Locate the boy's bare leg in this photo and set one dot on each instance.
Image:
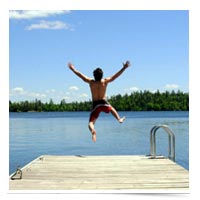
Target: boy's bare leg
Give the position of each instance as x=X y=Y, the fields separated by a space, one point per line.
x=115 y=114
x=93 y=131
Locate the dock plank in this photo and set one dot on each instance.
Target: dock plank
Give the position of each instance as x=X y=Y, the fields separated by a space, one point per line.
x=101 y=172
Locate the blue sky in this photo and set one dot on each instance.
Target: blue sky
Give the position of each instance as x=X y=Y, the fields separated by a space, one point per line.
x=42 y=43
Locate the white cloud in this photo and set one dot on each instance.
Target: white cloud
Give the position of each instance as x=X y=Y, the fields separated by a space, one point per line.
x=74 y=88
x=20 y=94
x=50 y=91
x=84 y=95
x=154 y=90
x=132 y=89
x=66 y=98
x=18 y=90
x=52 y=25
x=36 y=95
x=30 y=14
x=171 y=86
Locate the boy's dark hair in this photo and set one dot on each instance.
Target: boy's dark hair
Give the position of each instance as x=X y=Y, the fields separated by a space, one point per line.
x=98 y=74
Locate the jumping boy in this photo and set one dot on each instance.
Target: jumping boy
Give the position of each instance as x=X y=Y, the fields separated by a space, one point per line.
x=98 y=90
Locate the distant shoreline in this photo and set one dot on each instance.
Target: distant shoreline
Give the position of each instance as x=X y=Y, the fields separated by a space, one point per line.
x=136 y=101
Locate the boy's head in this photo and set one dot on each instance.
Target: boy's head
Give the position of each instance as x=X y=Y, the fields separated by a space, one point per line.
x=98 y=74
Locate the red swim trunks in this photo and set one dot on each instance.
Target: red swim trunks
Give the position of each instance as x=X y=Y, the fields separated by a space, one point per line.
x=99 y=106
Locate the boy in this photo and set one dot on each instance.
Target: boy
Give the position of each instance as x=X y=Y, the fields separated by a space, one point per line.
x=98 y=90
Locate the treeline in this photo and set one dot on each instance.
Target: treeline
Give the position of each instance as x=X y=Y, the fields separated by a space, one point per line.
x=136 y=101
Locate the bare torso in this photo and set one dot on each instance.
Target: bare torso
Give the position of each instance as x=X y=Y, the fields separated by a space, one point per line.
x=98 y=89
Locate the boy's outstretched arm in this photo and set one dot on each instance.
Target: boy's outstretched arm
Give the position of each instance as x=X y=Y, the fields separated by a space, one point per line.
x=112 y=78
x=79 y=74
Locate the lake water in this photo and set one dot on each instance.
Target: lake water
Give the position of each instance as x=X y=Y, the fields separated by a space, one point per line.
x=66 y=133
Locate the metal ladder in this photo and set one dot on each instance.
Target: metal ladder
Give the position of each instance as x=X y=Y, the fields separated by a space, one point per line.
x=171 y=144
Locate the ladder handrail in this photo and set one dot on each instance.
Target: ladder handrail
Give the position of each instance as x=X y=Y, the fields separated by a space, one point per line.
x=171 y=138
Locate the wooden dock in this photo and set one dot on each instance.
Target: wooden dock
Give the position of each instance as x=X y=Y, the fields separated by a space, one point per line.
x=101 y=173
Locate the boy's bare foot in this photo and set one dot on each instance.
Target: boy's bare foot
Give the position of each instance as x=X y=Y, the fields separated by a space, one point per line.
x=121 y=120
x=94 y=135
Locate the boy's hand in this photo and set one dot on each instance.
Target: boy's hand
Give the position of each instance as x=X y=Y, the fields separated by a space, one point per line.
x=127 y=64
x=71 y=66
